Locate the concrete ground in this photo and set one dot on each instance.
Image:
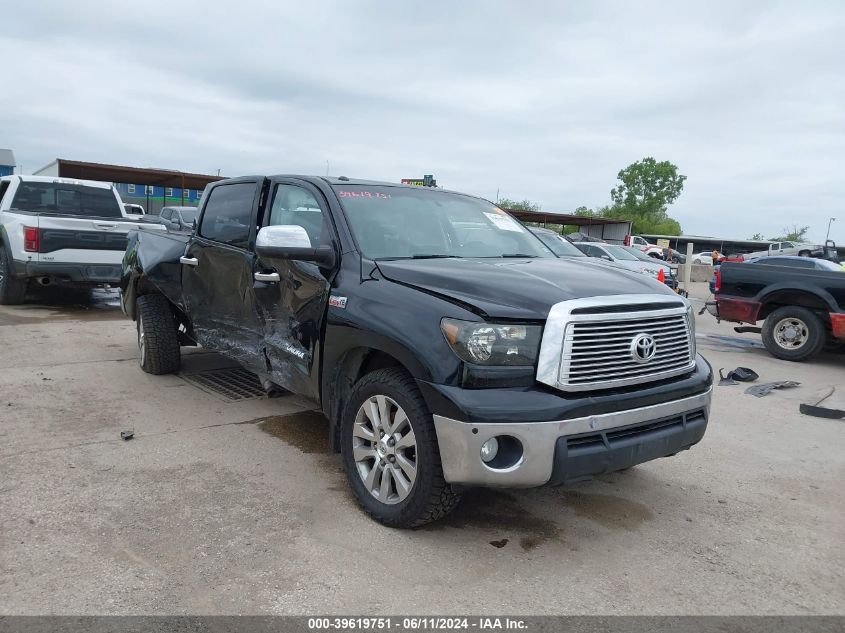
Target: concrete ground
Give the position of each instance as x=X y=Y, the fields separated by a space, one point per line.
x=219 y=507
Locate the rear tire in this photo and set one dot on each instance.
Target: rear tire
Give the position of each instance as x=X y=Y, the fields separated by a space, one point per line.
x=407 y=452
x=12 y=289
x=793 y=333
x=158 y=341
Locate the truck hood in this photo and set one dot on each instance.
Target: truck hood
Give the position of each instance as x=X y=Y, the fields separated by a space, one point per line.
x=517 y=288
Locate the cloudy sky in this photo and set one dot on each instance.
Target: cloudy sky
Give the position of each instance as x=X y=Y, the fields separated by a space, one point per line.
x=538 y=100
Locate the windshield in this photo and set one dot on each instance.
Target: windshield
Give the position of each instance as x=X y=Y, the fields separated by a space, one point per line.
x=558 y=245
x=619 y=252
x=67 y=199
x=403 y=223
x=189 y=215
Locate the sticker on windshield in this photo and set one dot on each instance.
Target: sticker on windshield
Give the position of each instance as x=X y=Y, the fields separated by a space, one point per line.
x=504 y=222
x=363 y=194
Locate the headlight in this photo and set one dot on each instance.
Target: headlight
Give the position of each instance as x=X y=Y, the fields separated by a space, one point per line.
x=492 y=343
x=691 y=322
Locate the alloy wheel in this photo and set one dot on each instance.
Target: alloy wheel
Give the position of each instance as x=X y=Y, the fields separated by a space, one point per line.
x=384 y=449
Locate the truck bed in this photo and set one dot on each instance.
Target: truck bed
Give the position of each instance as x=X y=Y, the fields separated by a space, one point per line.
x=745 y=288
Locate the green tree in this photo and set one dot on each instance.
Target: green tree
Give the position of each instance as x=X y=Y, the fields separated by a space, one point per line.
x=648 y=186
x=646 y=190
x=523 y=205
x=757 y=236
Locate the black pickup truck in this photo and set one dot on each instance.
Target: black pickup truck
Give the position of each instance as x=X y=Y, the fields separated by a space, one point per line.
x=802 y=308
x=446 y=344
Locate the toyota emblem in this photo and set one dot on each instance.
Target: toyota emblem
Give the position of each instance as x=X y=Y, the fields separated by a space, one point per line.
x=643 y=348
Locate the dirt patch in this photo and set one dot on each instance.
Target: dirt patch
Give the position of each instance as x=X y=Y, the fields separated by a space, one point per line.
x=306 y=430
x=607 y=510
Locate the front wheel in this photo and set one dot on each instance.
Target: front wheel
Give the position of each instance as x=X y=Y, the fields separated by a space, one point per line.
x=390 y=452
x=158 y=340
x=793 y=333
x=12 y=289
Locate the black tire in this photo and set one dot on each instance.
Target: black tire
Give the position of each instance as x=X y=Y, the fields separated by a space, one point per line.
x=811 y=328
x=158 y=341
x=430 y=497
x=12 y=289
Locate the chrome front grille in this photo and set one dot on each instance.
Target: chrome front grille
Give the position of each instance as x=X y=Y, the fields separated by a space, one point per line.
x=606 y=342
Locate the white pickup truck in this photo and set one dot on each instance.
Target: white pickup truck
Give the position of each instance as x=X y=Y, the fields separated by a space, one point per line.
x=652 y=250
x=59 y=231
x=788 y=248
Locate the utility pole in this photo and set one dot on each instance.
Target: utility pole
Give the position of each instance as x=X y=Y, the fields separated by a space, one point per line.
x=827 y=237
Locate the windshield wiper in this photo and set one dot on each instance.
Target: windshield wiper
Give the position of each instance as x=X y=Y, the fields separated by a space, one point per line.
x=517 y=255
x=427 y=256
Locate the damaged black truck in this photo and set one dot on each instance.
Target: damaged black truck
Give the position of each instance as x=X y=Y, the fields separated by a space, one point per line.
x=448 y=347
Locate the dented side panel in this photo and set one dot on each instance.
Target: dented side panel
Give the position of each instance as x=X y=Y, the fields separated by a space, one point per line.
x=221 y=301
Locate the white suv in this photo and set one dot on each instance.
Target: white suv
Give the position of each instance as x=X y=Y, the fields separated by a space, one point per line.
x=59 y=230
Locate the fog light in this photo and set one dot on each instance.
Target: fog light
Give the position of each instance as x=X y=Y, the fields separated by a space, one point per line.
x=489 y=450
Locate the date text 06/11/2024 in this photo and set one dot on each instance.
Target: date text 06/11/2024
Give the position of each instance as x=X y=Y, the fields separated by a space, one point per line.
x=427 y=623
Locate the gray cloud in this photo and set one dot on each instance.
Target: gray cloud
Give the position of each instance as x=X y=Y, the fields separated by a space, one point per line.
x=539 y=100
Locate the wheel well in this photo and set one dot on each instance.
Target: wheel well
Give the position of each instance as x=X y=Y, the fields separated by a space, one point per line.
x=355 y=365
x=186 y=334
x=781 y=298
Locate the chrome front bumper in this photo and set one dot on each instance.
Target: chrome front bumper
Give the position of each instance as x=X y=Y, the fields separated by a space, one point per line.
x=460 y=443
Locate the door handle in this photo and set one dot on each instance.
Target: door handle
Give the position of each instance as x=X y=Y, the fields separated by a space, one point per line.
x=267 y=277
x=106 y=226
x=189 y=261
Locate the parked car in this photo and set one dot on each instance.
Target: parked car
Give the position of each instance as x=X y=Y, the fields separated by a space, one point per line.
x=802 y=308
x=705 y=257
x=792 y=261
x=788 y=248
x=652 y=250
x=577 y=236
x=440 y=364
x=59 y=231
x=178 y=218
x=558 y=244
x=631 y=258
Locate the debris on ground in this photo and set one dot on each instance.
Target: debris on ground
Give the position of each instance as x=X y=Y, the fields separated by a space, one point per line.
x=767 y=387
x=743 y=374
x=822 y=412
x=127 y=435
x=724 y=380
x=740 y=374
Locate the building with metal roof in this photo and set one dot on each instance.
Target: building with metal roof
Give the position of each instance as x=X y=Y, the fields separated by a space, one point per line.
x=151 y=188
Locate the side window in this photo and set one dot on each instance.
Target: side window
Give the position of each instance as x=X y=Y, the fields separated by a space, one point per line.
x=3 y=187
x=592 y=251
x=227 y=216
x=296 y=205
x=165 y=214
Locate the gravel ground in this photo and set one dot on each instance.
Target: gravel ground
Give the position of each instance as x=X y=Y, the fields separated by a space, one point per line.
x=219 y=507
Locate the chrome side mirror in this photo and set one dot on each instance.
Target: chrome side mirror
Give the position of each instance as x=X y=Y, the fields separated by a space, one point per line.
x=291 y=241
